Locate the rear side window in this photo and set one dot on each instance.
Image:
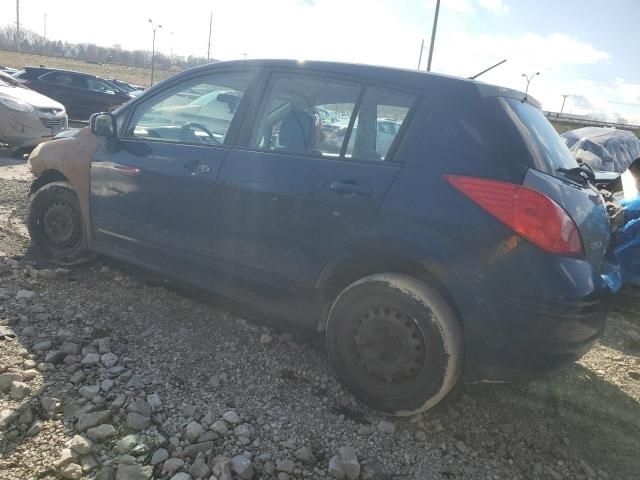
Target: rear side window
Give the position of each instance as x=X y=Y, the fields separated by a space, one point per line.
x=548 y=150
x=380 y=116
x=317 y=116
x=65 y=79
x=306 y=115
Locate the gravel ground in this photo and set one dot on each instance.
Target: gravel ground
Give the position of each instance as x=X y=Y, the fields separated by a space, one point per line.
x=115 y=373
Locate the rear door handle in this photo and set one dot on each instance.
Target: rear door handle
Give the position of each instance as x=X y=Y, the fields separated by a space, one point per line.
x=196 y=167
x=349 y=187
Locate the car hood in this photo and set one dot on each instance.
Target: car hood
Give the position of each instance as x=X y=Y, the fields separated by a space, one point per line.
x=30 y=96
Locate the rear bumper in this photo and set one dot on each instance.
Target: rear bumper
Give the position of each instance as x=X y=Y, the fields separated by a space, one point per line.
x=556 y=335
x=526 y=319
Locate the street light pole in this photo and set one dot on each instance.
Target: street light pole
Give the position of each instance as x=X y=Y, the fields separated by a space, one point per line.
x=529 y=78
x=153 y=48
x=433 y=35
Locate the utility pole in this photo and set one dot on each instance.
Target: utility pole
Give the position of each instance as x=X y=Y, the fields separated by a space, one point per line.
x=564 y=98
x=433 y=35
x=153 y=48
x=18 y=26
x=210 y=28
x=420 y=56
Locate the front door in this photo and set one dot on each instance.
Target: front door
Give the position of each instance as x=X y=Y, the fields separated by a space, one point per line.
x=154 y=190
x=308 y=183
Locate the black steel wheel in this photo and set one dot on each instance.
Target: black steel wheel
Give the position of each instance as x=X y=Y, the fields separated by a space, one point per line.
x=395 y=342
x=55 y=224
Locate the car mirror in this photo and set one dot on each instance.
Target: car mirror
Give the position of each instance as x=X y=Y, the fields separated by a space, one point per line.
x=103 y=124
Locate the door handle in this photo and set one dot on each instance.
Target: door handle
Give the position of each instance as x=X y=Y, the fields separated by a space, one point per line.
x=196 y=167
x=349 y=187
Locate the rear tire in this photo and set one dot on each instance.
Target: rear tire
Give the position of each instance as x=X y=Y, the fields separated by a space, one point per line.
x=55 y=225
x=395 y=343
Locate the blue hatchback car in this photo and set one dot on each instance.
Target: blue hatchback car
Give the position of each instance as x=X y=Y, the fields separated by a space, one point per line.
x=433 y=227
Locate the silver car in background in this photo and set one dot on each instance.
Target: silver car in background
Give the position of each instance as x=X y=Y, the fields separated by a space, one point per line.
x=28 y=118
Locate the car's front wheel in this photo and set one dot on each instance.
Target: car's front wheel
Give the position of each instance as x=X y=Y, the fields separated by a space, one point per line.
x=395 y=343
x=55 y=225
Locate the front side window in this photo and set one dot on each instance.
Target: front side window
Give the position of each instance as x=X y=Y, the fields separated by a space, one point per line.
x=305 y=115
x=97 y=85
x=199 y=112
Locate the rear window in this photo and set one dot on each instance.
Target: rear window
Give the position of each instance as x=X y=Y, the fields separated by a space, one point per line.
x=547 y=149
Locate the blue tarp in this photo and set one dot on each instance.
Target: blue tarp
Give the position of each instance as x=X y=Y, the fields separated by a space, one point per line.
x=627 y=243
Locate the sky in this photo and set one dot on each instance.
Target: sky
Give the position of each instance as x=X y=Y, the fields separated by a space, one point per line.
x=584 y=48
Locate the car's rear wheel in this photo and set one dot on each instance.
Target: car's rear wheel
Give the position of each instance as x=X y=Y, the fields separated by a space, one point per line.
x=55 y=225
x=395 y=343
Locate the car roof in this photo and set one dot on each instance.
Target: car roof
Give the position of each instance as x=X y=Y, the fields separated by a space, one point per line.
x=405 y=76
x=61 y=70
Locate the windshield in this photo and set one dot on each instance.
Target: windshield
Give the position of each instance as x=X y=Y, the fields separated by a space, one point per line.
x=548 y=150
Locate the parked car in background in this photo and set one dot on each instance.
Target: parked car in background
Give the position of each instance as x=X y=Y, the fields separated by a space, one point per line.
x=27 y=117
x=133 y=90
x=8 y=70
x=82 y=94
x=467 y=245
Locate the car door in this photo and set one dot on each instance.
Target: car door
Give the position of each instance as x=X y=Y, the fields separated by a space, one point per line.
x=302 y=190
x=153 y=189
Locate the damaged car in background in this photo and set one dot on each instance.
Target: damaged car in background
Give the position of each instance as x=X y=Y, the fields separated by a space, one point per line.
x=469 y=244
x=27 y=117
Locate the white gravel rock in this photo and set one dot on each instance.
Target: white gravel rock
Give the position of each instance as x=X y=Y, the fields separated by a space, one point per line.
x=220 y=427
x=159 y=456
x=242 y=466
x=101 y=432
x=193 y=431
x=231 y=417
x=93 y=419
x=73 y=471
x=27 y=295
x=19 y=390
x=89 y=391
x=126 y=444
x=90 y=359
x=386 y=426
x=181 y=476
x=81 y=445
x=172 y=465
x=109 y=359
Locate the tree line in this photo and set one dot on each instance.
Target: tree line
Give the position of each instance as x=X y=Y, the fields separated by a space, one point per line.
x=32 y=42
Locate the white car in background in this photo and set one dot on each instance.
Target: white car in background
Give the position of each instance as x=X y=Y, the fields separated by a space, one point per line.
x=28 y=117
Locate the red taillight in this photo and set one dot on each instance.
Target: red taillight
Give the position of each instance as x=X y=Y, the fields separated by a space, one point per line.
x=530 y=214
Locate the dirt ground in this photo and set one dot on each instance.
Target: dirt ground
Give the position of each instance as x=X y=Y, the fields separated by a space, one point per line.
x=204 y=389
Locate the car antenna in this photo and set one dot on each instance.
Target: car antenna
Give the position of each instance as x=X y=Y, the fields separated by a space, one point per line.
x=487 y=69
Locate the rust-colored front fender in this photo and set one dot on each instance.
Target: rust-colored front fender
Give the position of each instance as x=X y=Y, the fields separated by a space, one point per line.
x=70 y=157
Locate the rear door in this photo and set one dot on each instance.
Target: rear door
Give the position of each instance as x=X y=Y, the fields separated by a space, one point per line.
x=69 y=89
x=307 y=181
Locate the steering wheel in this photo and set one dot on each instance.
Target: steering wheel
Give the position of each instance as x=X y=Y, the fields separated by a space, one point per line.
x=187 y=133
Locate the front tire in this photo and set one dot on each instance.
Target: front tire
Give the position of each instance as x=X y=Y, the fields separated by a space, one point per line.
x=395 y=343
x=55 y=225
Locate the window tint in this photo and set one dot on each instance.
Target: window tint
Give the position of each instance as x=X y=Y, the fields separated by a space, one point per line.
x=66 y=79
x=97 y=85
x=380 y=117
x=305 y=115
x=545 y=145
x=199 y=112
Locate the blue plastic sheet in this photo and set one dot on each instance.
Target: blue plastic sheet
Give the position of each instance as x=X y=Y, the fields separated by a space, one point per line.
x=627 y=241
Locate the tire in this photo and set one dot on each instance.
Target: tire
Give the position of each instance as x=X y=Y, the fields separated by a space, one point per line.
x=55 y=225
x=395 y=343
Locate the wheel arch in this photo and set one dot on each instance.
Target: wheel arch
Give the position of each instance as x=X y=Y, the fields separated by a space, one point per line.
x=353 y=266
x=47 y=176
